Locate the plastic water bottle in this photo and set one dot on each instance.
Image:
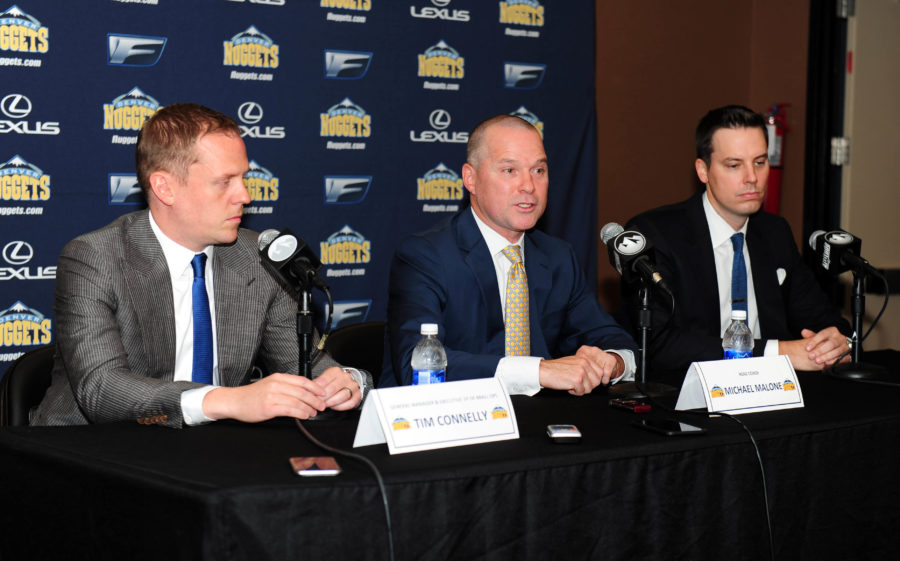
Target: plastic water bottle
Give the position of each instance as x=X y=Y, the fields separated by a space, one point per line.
x=429 y=361
x=738 y=339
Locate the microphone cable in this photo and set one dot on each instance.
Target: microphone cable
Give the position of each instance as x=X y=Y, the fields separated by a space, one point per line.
x=371 y=466
x=762 y=469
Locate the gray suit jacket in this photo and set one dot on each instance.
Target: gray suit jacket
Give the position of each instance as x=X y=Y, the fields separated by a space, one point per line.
x=115 y=326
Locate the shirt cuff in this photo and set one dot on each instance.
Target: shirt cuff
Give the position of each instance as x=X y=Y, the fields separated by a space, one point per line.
x=192 y=406
x=360 y=380
x=520 y=375
x=630 y=366
x=771 y=348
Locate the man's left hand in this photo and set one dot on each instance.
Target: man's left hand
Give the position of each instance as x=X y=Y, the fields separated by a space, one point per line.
x=341 y=390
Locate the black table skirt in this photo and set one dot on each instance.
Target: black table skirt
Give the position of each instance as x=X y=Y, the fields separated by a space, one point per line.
x=225 y=490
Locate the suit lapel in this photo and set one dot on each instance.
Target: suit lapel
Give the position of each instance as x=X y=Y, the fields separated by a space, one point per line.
x=233 y=273
x=537 y=267
x=765 y=283
x=700 y=252
x=150 y=290
x=481 y=264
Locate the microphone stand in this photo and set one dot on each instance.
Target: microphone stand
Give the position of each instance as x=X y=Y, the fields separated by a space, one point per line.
x=857 y=370
x=635 y=390
x=305 y=337
x=305 y=330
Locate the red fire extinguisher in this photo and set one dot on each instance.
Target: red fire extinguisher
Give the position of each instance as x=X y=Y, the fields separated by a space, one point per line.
x=776 y=124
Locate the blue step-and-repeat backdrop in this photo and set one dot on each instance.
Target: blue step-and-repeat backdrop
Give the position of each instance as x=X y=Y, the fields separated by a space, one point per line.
x=355 y=114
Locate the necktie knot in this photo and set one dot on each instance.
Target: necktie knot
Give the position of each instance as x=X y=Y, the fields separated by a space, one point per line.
x=514 y=254
x=737 y=242
x=198 y=264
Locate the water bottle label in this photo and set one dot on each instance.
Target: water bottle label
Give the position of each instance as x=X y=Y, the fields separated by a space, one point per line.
x=427 y=377
x=729 y=354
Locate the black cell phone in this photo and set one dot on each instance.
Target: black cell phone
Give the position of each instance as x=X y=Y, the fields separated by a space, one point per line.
x=669 y=427
x=633 y=405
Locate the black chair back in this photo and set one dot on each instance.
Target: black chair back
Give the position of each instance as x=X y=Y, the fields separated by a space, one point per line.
x=360 y=345
x=24 y=384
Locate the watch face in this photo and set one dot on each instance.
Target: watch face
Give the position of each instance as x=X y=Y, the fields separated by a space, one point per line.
x=282 y=248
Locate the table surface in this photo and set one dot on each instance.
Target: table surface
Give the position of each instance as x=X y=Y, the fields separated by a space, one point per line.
x=625 y=488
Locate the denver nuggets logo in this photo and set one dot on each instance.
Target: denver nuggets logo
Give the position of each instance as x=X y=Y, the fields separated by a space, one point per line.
x=440 y=184
x=346 y=119
x=345 y=246
x=527 y=115
x=21 y=325
x=441 y=61
x=251 y=48
x=716 y=391
x=499 y=413
x=359 y=5
x=522 y=12
x=788 y=385
x=262 y=185
x=129 y=111
x=22 y=33
x=21 y=181
x=400 y=424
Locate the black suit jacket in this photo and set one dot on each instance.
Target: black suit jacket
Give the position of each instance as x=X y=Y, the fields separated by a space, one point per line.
x=684 y=257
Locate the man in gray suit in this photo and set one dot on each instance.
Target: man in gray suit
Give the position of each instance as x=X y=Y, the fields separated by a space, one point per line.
x=125 y=323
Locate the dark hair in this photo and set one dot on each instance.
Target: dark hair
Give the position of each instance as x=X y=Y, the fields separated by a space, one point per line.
x=166 y=141
x=728 y=117
x=476 y=138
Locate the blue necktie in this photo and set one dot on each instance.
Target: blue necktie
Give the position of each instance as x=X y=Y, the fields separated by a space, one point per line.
x=738 y=274
x=203 y=351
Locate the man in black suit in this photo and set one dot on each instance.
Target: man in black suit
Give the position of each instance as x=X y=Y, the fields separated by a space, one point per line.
x=786 y=310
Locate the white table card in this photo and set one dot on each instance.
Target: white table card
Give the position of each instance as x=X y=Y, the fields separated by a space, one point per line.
x=745 y=385
x=414 y=418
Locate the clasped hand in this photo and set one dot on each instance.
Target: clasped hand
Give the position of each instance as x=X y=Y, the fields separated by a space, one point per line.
x=579 y=374
x=284 y=395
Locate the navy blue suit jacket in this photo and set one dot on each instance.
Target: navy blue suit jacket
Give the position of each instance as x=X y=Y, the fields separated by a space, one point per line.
x=446 y=276
x=684 y=257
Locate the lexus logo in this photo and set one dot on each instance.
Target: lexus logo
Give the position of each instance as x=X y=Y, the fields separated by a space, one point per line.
x=439 y=119
x=15 y=106
x=17 y=253
x=440 y=3
x=250 y=112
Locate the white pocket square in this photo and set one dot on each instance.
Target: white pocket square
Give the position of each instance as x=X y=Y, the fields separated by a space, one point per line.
x=781 y=274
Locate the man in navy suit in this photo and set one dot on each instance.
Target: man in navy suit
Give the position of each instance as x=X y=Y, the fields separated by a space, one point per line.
x=787 y=311
x=456 y=275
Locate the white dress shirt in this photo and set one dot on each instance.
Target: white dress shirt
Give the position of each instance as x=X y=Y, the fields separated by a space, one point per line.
x=178 y=259
x=720 y=232
x=521 y=374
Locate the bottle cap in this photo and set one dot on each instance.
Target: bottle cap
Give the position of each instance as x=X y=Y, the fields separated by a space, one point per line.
x=429 y=329
x=739 y=314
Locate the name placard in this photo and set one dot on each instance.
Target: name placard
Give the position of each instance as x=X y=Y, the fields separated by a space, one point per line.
x=414 y=418
x=745 y=385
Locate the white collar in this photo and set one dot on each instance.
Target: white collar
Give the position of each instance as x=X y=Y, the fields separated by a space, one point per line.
x=719 y=230
x=178 y=257
x=495 y=242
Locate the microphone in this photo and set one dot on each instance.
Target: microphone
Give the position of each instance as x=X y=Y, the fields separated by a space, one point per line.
x=838 y=251
x=631 y=254
x=291 y=258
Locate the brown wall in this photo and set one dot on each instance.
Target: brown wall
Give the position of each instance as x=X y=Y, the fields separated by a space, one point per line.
x=660 y=66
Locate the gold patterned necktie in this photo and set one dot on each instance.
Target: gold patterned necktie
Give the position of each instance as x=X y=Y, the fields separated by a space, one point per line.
x=518 y=336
